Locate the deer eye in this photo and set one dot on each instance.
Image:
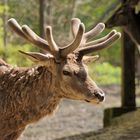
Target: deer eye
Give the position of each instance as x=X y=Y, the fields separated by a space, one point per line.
x=67 y=73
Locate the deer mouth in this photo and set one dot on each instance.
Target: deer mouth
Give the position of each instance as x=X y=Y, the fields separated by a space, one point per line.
x=87 y=101
x=98 y=97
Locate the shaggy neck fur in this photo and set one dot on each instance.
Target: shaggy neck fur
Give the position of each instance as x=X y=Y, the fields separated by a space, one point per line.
x=24 y=98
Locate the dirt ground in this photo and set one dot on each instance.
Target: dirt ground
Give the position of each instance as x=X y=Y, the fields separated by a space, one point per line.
x=73 y=118
x=125 y=127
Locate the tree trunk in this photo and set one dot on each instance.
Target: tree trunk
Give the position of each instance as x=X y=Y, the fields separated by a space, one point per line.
x=49 y=10
x=42 y=16
x=74 y=8
x=73 y=15
x=128 y=72
x=5 y=23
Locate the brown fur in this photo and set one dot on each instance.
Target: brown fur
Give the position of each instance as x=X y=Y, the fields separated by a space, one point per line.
x=23 y=98
x=28 y=94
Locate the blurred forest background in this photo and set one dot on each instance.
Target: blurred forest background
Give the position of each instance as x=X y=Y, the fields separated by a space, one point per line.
x=58 y=13
x=106 y=71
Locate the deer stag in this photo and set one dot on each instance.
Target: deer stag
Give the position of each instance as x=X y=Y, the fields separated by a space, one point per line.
x=28 y=94
x=129 y=20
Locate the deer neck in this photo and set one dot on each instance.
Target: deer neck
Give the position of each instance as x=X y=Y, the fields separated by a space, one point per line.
x=45 y=98
x=45 y=91
x=34 y=91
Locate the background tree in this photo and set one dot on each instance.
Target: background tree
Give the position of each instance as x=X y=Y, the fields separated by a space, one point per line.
x=42 y=17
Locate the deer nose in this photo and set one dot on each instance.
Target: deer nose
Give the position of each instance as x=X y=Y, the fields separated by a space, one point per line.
x=100 y=95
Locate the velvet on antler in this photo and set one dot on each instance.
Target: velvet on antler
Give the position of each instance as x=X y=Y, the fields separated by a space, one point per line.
x=92 y=46
x=79 y=43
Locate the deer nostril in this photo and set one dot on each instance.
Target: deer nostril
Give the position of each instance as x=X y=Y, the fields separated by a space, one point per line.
x=100 y=96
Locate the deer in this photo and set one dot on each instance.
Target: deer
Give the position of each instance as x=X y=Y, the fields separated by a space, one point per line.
x=127 y=18
x=31 y=93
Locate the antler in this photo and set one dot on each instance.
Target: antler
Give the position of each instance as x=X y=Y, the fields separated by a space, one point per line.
x=92 y=46
x=49 y=45
x=26 y=33
x=75 y=44
x=80 y=39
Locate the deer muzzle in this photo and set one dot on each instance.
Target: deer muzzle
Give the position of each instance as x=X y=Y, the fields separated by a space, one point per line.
x=100 y=95
x=96 y=97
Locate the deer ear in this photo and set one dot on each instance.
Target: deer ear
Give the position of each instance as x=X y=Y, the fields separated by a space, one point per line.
x=89 y=59
x=38 y=57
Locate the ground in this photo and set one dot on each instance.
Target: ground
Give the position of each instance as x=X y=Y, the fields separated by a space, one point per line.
x=125 y=127
x=73 y=118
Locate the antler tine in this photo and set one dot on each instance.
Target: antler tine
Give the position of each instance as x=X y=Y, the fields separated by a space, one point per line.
x=75 y=44
x=53 y=46
x=80 y=38
x=26 y=33
x=37 y=57
x=108 y=42
x=95 y=31
x=75 y=22
x=100 y=40
x=35 y=39
x=16 y=28
x=92 y=33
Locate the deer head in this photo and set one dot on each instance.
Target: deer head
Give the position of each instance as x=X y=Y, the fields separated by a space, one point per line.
x=67 y=64
x=127 y=18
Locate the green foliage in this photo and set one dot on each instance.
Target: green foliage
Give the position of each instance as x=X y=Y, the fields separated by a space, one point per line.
x=90 y=11
x=112 y=54
x=105 y=73
x=1 y=30
x=25 y=12
x=1 y=8
x=138 y=90
x=11 y=55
